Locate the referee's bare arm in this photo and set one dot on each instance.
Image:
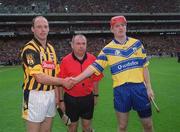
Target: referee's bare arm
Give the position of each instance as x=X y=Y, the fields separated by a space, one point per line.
x=49 y=80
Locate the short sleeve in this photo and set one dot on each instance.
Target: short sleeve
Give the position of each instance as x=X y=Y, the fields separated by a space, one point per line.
x=100 y=63
x=31 y=59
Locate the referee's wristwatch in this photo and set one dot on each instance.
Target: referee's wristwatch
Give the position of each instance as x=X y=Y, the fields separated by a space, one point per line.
x=61 y=100
x=96 y=95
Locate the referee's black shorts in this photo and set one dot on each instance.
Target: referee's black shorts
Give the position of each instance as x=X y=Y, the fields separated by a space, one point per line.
x=79 y=107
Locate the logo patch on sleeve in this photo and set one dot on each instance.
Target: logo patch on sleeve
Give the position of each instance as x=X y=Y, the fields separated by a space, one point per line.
x=30 y=59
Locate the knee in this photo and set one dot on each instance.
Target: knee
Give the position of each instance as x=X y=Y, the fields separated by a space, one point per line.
x=87 y=129
x=148 y=126
x=122 y=127
x=72 y=128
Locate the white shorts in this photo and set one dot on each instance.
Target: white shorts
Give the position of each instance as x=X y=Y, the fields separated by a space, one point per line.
x=40 y=104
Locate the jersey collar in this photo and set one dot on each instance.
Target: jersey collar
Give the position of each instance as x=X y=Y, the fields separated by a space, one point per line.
x=37 y=42
x=80 y=61
x=117 y=42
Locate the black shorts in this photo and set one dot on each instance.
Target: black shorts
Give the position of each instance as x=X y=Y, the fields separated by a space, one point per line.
x=79 y=107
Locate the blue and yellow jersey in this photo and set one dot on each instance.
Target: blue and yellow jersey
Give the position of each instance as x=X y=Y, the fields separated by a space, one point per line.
x=126 y=61
x=36 y=59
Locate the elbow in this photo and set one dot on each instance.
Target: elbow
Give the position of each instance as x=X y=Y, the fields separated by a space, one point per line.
x=145 y=81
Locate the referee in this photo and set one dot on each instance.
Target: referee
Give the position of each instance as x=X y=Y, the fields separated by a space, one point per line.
x=40 y=68
x=78 y=102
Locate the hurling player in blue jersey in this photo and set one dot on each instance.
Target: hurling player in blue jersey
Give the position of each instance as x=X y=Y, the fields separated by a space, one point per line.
x=128 y=63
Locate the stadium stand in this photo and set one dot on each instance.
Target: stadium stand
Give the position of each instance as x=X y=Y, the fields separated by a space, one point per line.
x=89 y=6
x=156 y=24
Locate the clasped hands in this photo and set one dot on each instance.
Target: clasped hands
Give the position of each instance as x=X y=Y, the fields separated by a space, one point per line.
x=69 y=82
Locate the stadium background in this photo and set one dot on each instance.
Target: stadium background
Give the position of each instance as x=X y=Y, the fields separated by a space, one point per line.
x=155 y=22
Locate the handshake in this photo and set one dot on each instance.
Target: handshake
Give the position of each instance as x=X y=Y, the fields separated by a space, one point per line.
x=69 y=82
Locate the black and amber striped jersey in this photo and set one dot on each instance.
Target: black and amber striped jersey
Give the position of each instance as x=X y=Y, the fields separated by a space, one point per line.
x=35 y=60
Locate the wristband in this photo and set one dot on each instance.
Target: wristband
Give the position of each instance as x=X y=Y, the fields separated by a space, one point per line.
x=61 y=100
x=96 y=95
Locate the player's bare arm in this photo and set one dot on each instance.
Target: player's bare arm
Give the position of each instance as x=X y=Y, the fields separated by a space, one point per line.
x=148 y=83
x=49 y=80
x=86 y=73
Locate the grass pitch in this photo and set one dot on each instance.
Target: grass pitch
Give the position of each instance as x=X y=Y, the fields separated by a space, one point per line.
x=165 y=78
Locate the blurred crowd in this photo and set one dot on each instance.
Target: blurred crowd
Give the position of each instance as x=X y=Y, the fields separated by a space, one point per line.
x=89 y=6
x=9 y=51
x=155 y=45
x=65 y=28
